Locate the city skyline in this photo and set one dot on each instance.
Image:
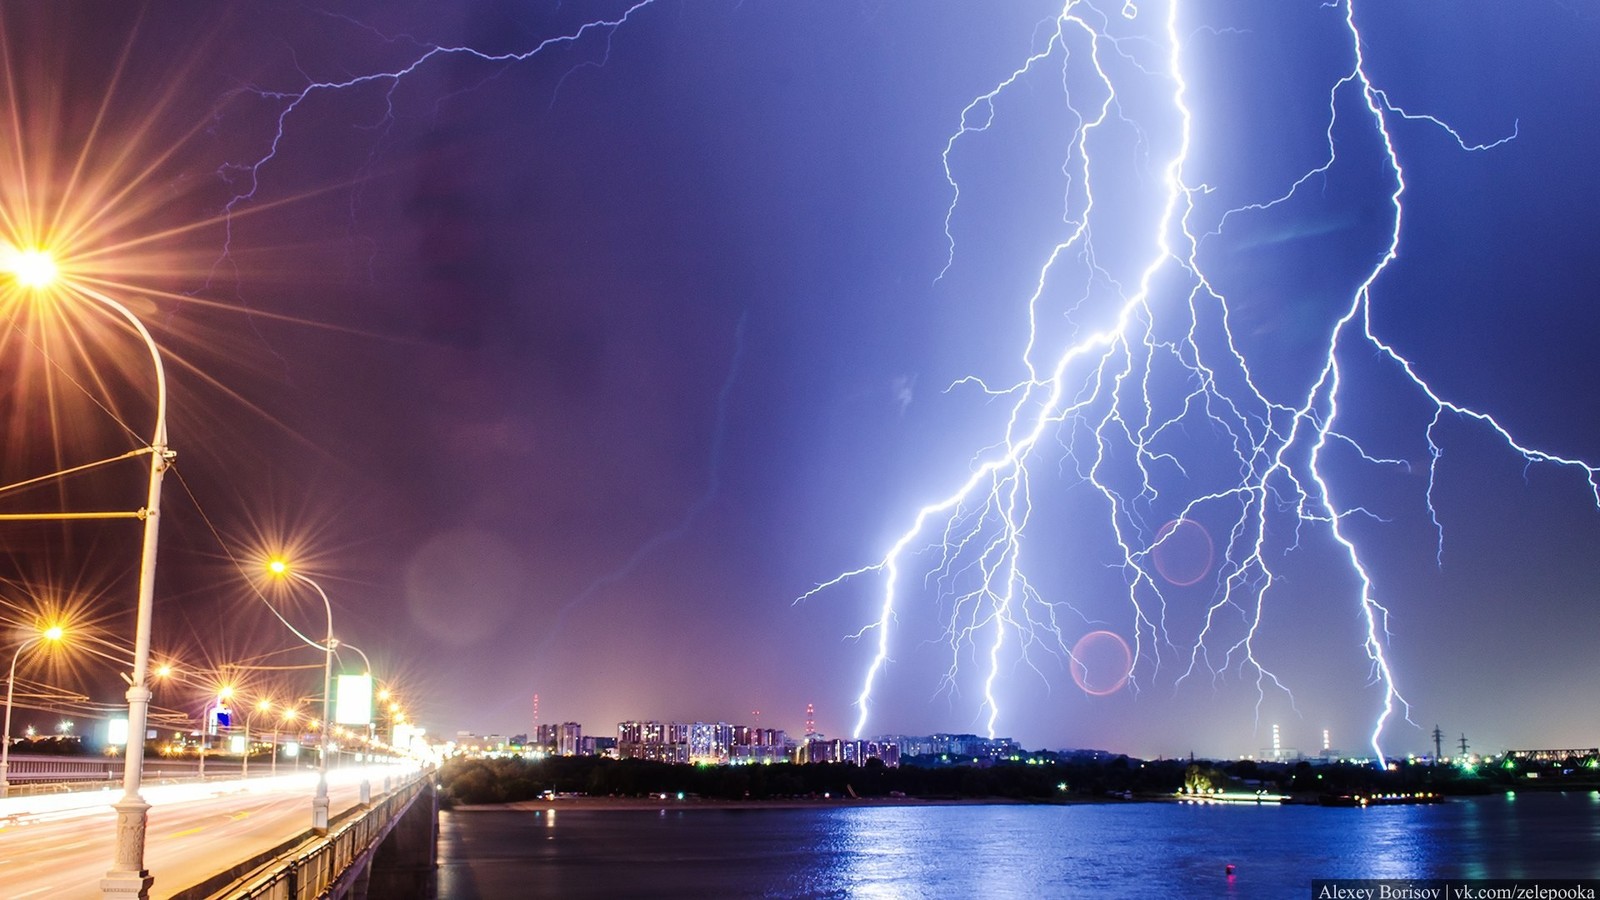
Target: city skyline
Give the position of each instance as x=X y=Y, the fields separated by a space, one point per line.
x=572 y=348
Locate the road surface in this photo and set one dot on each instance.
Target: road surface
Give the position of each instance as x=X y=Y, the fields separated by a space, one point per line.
x=61 y=845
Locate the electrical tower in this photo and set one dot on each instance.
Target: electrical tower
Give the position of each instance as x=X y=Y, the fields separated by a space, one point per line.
x=1438 y=750
x=1463 y=745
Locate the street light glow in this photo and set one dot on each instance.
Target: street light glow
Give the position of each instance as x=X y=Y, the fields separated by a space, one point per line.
x=54 y=633
x=32 y=268
x=277 y=567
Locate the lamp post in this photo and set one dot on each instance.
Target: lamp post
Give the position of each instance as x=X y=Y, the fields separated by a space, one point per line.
x=206 y=721
x=53 y=633
x=36 y=270
x=128 y=875
x=289 y=715
x=366 y=785
x=319 y=802
x=263 y=706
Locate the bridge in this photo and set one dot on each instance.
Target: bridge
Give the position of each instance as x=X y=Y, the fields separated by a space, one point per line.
x=224 y=836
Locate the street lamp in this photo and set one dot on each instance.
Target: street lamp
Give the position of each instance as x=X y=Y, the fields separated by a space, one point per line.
x=319 y=802
x=263 y=706
x=366 y=786
x=289 y=715
x=35 y=269
x=223 y=694
x=53 y=634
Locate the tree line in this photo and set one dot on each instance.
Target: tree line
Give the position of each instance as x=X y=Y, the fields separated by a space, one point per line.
x=474 y=780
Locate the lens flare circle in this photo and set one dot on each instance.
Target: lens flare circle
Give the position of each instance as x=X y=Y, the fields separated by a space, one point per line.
x=1183 y=552
x=1098 y=652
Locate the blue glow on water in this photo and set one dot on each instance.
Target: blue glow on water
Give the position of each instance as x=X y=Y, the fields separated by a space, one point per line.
x=1110 y=850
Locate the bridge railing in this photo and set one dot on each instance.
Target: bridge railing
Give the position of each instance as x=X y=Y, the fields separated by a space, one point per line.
x=33 y=785
x=309 y=873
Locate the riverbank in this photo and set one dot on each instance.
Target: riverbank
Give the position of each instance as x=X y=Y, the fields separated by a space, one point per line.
x=670 y=802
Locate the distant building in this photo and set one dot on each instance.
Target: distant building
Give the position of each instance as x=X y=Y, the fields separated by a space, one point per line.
x=819 y=749
x=969 y=746
x=710 y=742
x=816 y=748
x=1554 y=756
x=653 y=741
x=546 y=738
x=886 y=752
x=569 y=739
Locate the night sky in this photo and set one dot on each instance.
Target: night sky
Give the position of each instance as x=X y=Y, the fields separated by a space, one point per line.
x=568 y=375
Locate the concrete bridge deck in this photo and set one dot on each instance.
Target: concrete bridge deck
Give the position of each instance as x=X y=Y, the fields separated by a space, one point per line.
x=61 y=844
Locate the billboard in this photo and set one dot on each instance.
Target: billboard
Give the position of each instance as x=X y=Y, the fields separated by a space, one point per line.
x=117 y=732
x=354 y=704
x=218 y=717
x=403 y=735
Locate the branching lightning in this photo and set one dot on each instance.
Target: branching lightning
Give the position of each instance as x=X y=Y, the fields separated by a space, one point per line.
x=1122 y=364
x=248 y=174
x=1149 y=361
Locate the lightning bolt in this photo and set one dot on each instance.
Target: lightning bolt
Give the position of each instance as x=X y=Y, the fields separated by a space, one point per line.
x=1146 y=361
x=248 y=174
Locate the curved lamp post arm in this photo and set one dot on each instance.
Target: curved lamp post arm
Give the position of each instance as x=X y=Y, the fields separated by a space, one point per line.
x=5 y=749
x=364 y=660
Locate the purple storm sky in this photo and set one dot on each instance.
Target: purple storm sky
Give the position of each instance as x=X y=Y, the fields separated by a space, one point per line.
x=570 y=374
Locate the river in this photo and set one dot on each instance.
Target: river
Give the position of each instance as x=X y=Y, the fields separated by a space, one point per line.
x=1111 y=850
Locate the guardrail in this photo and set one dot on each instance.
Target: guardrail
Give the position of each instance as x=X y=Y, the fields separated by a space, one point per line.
x=309 y=872
x=63 y=768
x=86 y=785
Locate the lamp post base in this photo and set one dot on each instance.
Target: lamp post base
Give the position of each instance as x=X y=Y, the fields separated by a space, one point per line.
x=129 y=885
x=319 y=815
x=125 y=881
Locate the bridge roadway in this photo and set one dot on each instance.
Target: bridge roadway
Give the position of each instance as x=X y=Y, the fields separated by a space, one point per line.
x=60 y=845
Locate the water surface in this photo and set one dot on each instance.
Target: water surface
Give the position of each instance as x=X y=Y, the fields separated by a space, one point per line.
x=1134 y=850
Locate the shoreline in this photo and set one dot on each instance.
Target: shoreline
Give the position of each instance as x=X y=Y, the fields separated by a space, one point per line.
x=639 y=804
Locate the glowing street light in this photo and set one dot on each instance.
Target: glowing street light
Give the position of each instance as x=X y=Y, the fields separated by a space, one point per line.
x=319 y=802
x=52 y=634
x=33 y=268
x=289 y=715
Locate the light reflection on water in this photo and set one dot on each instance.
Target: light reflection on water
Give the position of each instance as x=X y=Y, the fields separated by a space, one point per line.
x=1109 y=850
